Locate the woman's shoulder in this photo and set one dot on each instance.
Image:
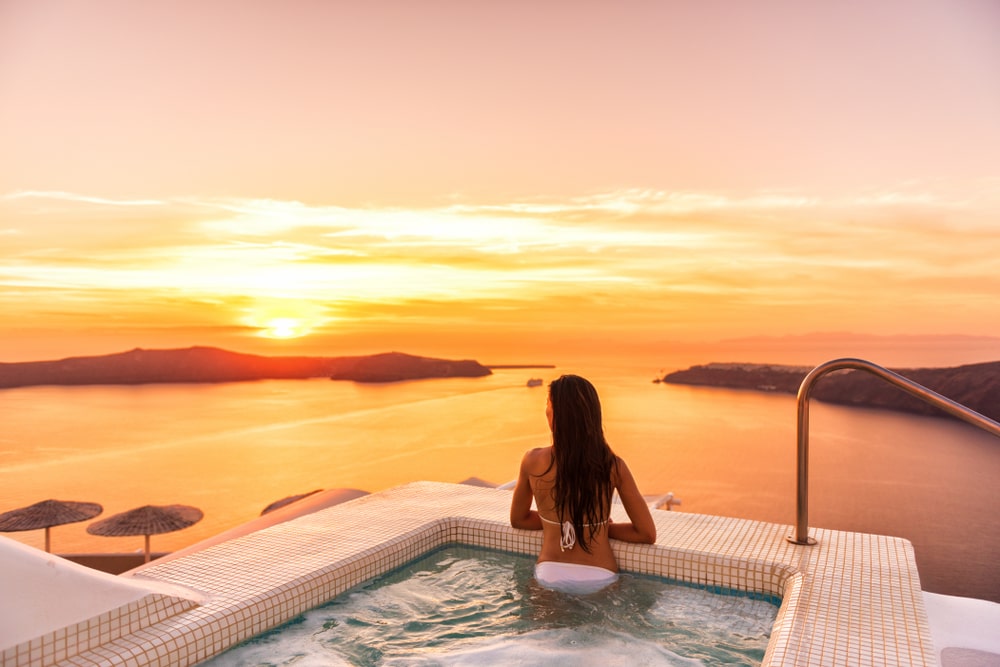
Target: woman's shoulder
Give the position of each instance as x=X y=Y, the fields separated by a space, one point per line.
x=617 y=469
x=537 y=460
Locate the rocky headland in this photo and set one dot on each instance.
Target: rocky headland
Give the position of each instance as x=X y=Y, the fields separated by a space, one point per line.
x=209 y=364
x=976 y=385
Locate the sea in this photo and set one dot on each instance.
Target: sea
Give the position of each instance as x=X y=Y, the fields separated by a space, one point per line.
x=231 y=449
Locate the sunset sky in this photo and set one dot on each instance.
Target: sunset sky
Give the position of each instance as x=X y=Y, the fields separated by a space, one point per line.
x=506 y=181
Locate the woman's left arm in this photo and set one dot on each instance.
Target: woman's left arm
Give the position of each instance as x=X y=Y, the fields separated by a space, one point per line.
x=641 y=528
x=521 y=514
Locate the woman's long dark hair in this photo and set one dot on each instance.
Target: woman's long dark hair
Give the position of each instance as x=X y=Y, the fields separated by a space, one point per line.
x=584 y=460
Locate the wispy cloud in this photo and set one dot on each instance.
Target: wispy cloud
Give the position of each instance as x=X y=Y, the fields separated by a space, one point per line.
x=647 y=258
x=83 y=199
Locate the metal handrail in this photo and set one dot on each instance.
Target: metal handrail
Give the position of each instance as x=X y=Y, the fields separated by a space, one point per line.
x=801 y=535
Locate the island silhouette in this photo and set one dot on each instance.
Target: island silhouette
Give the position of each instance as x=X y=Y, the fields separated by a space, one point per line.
x=210 y=364
x=975 y=385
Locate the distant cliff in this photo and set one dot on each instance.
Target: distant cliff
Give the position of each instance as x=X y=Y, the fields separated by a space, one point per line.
x=395 y=366
x=208 y=364
x=976 y=386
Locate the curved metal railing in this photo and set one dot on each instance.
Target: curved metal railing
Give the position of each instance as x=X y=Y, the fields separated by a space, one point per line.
x=801 y=535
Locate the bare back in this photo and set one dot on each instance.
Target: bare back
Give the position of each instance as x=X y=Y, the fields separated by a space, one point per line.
x=535 y=480
x=541 y=476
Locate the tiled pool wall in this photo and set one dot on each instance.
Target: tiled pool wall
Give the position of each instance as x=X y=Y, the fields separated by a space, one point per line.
x=92 y=633
x=852 y=599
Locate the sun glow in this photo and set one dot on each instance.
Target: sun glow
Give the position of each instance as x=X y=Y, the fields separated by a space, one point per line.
x=283 y=327
x=282 y=319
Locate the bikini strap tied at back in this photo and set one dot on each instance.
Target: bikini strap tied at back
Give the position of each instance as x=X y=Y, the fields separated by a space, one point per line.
x=568 y=539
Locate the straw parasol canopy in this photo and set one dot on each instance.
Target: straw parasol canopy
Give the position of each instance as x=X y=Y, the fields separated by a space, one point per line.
x=147 y=520
x=46 y=514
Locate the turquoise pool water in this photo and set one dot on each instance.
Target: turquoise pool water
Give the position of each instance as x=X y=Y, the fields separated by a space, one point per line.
x=463 y=605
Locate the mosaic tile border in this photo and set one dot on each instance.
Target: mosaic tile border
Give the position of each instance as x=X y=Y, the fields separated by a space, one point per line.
x=63 y=643
x=853 y=599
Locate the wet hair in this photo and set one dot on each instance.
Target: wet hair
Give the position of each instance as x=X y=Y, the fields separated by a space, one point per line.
x=583 y=459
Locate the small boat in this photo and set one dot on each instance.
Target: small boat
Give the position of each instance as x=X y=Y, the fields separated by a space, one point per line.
x=535 y=382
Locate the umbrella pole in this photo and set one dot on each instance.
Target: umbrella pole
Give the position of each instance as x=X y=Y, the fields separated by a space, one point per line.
x=48 y=542
x=147 y=548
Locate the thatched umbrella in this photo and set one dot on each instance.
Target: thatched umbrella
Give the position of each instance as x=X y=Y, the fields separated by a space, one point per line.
x=46 y=514
x=147 y=520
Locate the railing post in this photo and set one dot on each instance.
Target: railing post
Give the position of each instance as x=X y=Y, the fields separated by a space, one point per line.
x=801 y=535
x=958 y=410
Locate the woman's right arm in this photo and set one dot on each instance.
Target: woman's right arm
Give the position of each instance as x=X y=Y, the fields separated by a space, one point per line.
x=641 y=528
x=521 y=514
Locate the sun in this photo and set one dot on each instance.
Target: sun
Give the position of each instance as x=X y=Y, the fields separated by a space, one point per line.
x=284 y=327
x=283 y=319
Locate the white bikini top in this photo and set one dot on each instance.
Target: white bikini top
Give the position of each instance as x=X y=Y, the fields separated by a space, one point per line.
x=568 y=539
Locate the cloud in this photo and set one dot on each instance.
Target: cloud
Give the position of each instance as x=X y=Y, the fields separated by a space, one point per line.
x=78 y=198
x=637 y=258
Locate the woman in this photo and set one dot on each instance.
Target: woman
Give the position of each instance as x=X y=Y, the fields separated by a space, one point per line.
x=571 y=483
